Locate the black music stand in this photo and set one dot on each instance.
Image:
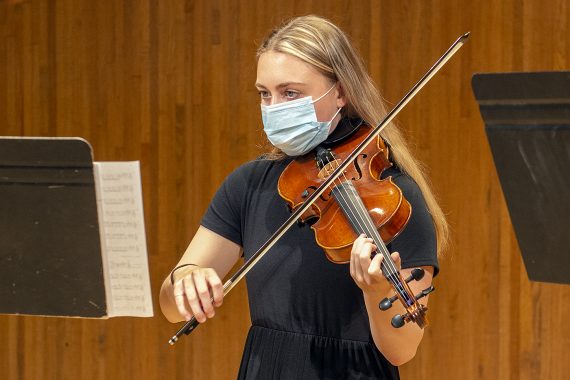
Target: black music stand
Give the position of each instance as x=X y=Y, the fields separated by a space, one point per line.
x=527 y=120
x=50 y=249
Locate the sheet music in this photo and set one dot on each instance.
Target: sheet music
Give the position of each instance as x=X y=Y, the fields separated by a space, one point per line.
x=123 y=239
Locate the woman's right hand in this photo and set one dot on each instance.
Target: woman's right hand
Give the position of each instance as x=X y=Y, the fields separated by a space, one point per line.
x=194 y=290
x=190 y=289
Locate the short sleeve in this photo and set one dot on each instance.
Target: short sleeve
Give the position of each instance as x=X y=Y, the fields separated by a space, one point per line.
x=417 y=243
x=224 y=214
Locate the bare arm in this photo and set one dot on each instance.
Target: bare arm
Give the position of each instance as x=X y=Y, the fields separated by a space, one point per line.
x=214 y=256
x=397 y=345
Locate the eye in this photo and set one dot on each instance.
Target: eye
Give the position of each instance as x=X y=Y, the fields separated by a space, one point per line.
x=290 y=94
x=264 y=94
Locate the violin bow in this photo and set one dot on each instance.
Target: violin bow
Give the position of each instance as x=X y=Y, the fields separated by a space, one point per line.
x=190 y=325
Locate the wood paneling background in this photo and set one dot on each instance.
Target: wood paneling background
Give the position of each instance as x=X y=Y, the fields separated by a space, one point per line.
x=170 y=83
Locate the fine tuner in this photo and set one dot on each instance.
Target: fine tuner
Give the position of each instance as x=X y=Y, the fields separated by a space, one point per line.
x=400 y=320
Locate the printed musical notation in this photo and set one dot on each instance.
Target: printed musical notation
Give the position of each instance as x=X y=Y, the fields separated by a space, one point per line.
x=123 y=241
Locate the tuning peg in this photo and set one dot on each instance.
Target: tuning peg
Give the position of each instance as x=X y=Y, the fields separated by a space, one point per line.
x=425 y=292
x=386 y=303
x=416 y=274
x=399 y=320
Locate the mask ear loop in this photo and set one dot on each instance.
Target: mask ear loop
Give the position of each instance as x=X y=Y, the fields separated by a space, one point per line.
x=325 y=94
x=337 y=111
x=331 y=120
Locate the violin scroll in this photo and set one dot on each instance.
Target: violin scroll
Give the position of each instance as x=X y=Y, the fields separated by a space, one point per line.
x=415 y=311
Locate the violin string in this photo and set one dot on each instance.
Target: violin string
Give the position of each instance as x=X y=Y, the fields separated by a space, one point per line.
x=370 y=230
x=369 y=227
x=365 y=223
x=374 y=234
x=364 y=218
x=354 y=218
x=390 y=265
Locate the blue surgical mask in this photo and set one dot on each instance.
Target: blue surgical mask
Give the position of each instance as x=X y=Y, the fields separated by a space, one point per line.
x=293 y=126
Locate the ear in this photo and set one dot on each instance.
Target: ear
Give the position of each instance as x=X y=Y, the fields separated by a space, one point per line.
x=340 y=98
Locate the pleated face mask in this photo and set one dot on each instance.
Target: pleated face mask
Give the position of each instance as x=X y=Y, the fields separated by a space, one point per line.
x=293 y=126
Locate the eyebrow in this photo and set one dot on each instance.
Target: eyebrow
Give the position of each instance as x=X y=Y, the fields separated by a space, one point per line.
x=281 y=85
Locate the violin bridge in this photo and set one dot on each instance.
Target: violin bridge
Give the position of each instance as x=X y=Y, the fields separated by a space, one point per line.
x=328 y=168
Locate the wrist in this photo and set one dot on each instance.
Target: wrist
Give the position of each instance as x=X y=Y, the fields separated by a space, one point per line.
x=378 y=292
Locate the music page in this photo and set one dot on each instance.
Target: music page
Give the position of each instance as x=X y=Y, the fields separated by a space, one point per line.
x=123 y=239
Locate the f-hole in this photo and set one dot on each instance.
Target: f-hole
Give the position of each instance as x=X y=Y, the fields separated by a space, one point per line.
x=357 y=166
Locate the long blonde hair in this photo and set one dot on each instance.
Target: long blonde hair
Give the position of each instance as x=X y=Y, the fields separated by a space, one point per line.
x=320 y=43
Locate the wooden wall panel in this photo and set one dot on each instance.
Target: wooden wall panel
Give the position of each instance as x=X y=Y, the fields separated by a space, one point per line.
x=170 y=83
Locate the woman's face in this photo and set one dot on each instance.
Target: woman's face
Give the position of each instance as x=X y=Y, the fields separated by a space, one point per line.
x=283 y=77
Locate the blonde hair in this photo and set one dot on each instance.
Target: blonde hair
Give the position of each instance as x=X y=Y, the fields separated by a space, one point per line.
x=322 y=44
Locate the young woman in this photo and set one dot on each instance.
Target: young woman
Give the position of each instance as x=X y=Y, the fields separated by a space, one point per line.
x=311 y=319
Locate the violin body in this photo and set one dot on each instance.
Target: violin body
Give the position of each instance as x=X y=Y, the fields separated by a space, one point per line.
x=383 y=200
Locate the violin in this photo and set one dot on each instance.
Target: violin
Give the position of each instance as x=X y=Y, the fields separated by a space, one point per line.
x=414 y=311
x=358 y=202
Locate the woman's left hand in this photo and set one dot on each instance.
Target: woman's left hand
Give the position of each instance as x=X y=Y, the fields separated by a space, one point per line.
x=365 y=271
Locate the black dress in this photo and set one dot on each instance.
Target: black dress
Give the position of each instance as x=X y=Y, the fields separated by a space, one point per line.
x=309 y=319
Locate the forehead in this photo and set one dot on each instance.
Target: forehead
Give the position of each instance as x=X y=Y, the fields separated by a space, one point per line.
x=274 y=68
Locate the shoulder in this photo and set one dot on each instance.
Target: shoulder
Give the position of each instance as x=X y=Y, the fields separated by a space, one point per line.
x=417 y=242
x=252 y=177
x=409 y=187
x=256 y=170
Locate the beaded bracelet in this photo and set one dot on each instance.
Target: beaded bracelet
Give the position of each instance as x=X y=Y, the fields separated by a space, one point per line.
x=175 y=269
